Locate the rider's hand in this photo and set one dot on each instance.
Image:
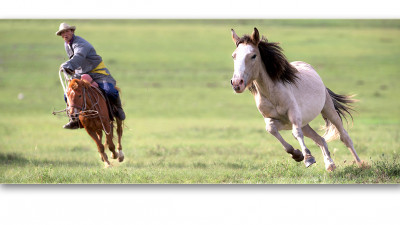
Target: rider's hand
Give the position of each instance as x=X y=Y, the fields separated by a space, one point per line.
x=69 y=71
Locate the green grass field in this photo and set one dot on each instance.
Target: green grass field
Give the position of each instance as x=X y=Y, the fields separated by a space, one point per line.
x=184 y=123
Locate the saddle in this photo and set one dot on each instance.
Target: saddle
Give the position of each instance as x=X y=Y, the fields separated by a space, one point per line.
x=111 y=107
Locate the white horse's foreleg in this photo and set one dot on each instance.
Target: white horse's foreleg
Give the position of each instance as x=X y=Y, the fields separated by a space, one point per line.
x=298 y=134
x=272 y=126
x=310 y=133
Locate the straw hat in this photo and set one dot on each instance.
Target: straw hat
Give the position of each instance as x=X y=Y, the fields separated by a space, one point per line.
x=63 y=27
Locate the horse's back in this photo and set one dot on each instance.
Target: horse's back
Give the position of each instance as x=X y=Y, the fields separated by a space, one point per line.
x=309 y=91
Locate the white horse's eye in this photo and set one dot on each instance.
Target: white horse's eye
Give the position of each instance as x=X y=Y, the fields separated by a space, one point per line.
x=254 y=56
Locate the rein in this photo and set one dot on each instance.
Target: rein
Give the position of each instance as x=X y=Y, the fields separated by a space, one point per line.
x=84 y=102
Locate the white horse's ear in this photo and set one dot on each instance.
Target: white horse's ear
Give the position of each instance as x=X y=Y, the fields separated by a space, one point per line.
x=235 y=38
x=255 y=37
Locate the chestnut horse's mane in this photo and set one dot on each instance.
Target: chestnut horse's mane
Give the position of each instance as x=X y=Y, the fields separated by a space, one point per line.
x=75 y=83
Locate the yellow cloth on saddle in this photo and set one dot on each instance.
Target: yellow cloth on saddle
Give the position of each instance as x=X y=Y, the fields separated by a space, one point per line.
x=101 y=68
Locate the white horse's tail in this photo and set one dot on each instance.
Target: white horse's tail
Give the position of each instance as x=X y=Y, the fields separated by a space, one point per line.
x=342 y=107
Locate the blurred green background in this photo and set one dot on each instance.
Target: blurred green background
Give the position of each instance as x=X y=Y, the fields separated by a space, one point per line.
x=184 y=123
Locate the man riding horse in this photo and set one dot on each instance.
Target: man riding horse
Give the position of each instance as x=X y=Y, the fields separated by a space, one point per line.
x=83 y=59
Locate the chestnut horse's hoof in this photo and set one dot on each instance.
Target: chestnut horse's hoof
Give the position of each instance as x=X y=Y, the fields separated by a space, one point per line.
x=297 y=155
x=114 y=156
x=309 y=160
x=121 y=156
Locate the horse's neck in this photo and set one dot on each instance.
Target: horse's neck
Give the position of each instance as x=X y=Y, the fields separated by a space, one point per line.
x=264 y=84
x=98 y=92
x=91 y=97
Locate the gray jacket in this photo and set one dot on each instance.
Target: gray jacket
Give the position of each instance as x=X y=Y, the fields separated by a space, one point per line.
x=83 y=59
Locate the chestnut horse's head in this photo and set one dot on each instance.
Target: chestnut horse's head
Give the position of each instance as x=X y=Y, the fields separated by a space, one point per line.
x=76 y=96
x=247 y=60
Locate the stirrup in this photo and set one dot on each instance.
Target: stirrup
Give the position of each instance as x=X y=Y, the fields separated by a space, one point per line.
x=74 y=124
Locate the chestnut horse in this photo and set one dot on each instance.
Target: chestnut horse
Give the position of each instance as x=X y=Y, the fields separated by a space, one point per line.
x=89 y=104
x=289 y=96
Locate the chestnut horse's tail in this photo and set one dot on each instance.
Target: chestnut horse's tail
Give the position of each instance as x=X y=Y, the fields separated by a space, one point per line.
x=342 y=104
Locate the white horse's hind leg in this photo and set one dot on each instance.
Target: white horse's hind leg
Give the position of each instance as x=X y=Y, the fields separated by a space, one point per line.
x=345 y=138
x=272 y=126
x=330 y=113
x=310 y=133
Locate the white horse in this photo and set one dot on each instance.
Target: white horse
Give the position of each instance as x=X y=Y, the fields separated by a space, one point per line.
x=289 y=96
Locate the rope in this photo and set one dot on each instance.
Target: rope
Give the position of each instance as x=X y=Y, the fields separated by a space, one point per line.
x=55 y=112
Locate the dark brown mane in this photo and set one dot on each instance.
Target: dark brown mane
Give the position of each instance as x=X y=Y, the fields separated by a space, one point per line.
x=276 y=64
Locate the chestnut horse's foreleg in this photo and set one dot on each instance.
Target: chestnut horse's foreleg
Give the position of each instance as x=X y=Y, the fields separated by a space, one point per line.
x=110 y=143
x=97 y=136
x=310 y=133
x=273 y=126
x=119 y=146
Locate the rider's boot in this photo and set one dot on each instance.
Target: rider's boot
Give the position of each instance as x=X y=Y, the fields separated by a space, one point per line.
x=72 y=124
x=120 y=112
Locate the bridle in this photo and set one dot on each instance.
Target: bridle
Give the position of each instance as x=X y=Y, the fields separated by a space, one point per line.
x=83 y=106
x=91 y=112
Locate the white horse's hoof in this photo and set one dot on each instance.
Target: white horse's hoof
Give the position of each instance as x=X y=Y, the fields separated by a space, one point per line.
x=330 y=167
x=297 y=155
x=329 y=164
x=309 y=160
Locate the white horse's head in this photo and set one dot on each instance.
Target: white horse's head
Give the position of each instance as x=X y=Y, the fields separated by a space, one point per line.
x=247 y=60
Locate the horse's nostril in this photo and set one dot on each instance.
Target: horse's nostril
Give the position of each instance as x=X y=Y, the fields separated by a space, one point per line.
x=241 y=82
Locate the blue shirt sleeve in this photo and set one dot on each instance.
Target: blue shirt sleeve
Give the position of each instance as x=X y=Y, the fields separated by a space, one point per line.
x=80 y=52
